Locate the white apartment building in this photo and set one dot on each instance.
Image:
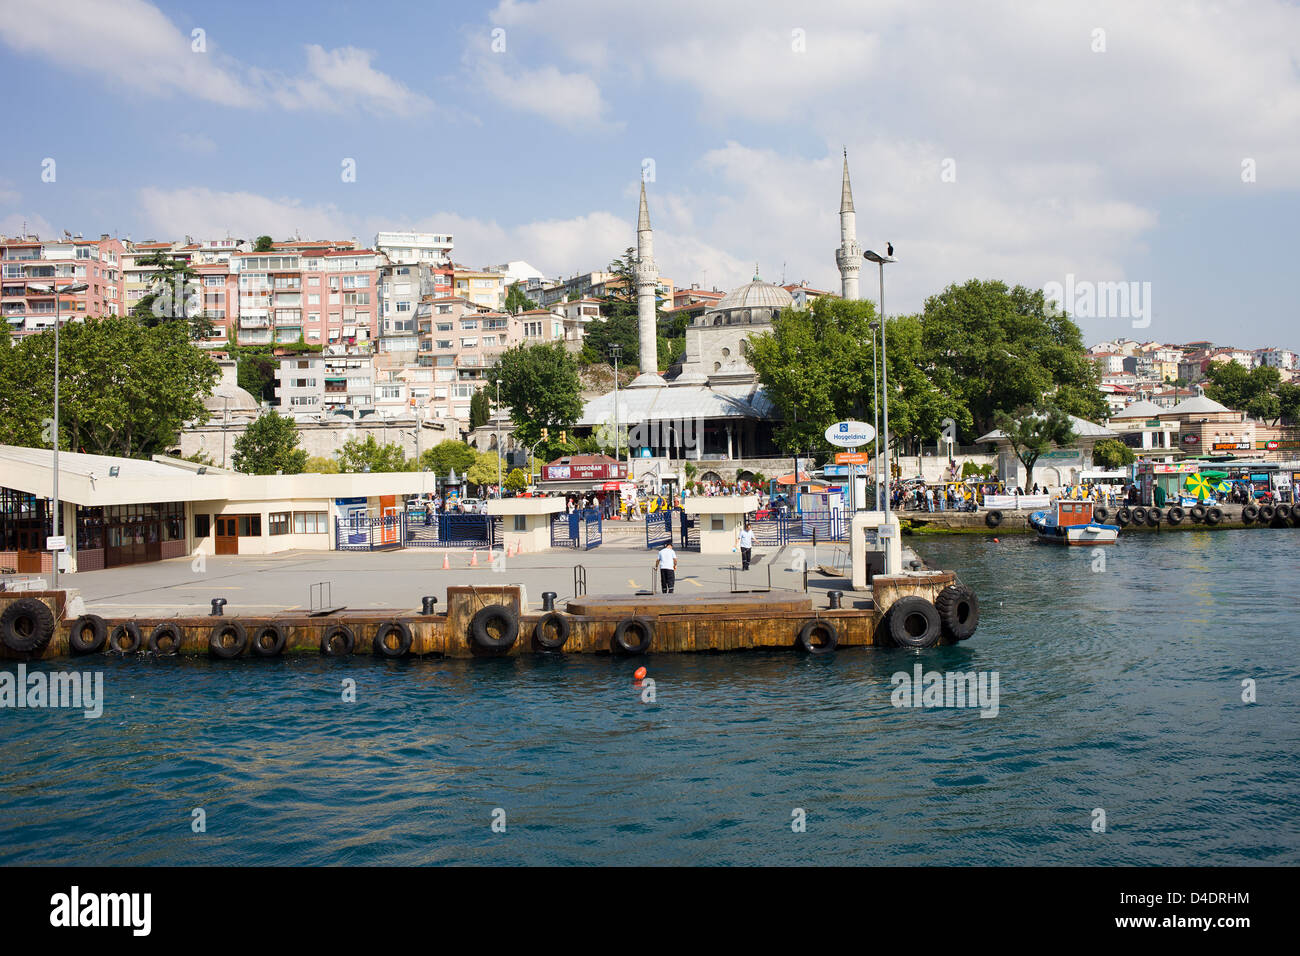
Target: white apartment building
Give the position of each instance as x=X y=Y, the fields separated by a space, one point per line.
x=410 y=248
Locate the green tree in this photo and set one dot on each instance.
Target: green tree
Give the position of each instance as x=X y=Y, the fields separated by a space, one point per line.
x=125 y=389
x=370 y=455
x=817 y=367
x=1111 y=453
x=1034 y=429
x=1254 y=391
x=517 y=300
x=487 y=465
x=263 y=244
x=446 y=455
x=997 y=349
x=174 y=294
x=255 y=369
x=619 y=328
x=320 y=465
x=480 y=409
x=517 y=480
x=539 y=383
x=270 y=445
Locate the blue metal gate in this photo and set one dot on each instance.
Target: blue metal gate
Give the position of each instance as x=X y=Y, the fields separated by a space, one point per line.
x=581 y=530
x=365 y=533
x=689 y=531
x=780 y=529
x=658 y=529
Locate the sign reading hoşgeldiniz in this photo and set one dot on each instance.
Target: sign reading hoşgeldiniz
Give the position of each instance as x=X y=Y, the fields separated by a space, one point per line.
x=850 y=434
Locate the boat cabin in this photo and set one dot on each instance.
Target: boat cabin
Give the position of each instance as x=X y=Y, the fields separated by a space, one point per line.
x=1069 y=513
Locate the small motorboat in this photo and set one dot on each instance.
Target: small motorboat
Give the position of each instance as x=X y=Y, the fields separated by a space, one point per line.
x=1072 y=522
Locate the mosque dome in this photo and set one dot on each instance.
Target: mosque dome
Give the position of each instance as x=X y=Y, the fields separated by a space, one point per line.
x=756 y=295
x=229 y=397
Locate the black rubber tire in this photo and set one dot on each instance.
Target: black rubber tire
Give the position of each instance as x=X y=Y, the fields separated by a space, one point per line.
x=805 y=638
x=380 y=644
x=1100 y=513
x=1155 y=516
x=993 y=518
x=1123 y=517
x=1176 y=515
x=165 y=631
x=1249 y=513
x=1213 y=516
x=342 y=634
x=903 y=618
x=279 y=638
x=26 y=626
x=1283 y=512
x=1197 y=513
x=959 y=611
x=563 y=627
x=1266 y=513
x=227 y=652
x=507 y=624
x=126 y=638
x=1295 y=516
x=77 y=641
x=1139 y=516
x=620 y=644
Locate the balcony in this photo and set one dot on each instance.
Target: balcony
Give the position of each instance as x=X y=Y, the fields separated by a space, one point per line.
x=254 y=322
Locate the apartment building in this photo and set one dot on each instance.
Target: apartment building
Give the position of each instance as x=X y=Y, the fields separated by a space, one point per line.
x=459 y=343
x=482 y=288
x=402 y=287
x=412 y=248
x=30 y=266
x=1282 y=359
x=321 y=293
x=323 y=384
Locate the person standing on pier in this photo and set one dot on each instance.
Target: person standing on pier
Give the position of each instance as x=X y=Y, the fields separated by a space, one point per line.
x=745 y=538
x=667 y=568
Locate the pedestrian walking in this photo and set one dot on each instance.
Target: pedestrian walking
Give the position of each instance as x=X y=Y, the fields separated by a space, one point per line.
x=745 y=539
x=667 y=568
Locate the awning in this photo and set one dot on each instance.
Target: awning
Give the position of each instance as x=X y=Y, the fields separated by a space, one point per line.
x=790 y=479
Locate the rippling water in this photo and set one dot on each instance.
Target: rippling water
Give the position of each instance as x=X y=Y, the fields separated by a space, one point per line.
x=1120 y=690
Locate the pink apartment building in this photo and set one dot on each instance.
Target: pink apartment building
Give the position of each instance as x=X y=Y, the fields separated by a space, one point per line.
x=27 y=265
x=325 y=293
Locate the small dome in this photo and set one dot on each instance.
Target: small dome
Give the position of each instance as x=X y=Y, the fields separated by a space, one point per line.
x=756 y=295
x=228 y=396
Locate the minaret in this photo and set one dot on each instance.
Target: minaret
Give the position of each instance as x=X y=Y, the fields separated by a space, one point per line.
x=647 y=278
x=849 y=255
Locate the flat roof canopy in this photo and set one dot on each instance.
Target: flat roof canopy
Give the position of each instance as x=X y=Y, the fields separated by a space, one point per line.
x=87 y=480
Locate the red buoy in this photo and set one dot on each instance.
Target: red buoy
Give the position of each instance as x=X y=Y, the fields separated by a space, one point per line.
x=640 y=673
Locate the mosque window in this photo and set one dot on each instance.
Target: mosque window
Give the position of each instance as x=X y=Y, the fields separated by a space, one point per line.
x=725 y=351
x=717 y=366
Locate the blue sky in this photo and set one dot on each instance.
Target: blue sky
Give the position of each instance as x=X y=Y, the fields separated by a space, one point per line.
x=1103 y=141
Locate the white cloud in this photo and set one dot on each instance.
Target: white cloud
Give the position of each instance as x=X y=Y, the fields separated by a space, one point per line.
x=14 y=224
x=572 y=100
x=133 y=43
x=199 y=211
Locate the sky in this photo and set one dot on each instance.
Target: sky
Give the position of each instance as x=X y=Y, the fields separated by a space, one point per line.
x=1062 y=145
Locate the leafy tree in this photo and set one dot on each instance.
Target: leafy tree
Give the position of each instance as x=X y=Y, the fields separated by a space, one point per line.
x=263 y=244
x=270 y=445
x=1033 y=429
x=517 y=300
x=540 y=385
x=1254 y=391
x=971 y=470
x=449 y=454
x=997 y=349
x=480 y=409
x=125 y=389
x=517 y=480
x=320 y=465
x=255 y=369
x=485 y=469
x=816 y=366
x=620 y=328
x=174 y=294
x=370 y=455
x=1111 y=453
x=1288 y=398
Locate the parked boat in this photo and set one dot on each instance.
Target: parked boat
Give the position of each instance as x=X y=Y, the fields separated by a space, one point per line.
x=1072 y=522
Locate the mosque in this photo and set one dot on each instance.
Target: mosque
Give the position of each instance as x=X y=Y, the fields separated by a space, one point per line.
x=709 y=406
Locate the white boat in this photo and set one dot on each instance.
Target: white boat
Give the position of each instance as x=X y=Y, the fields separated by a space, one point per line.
x=1072 y=523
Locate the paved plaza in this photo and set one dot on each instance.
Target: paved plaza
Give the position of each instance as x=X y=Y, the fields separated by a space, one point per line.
x=398 y=579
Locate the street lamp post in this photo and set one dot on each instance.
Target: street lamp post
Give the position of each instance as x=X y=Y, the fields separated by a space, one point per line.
x=54 y=287
x=497 y=413
x=884 y=360
x=875 y=411
x=615 y=350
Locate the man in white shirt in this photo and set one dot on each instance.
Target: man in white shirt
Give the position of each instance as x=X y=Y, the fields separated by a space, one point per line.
x=745 y=538
x=667 y=568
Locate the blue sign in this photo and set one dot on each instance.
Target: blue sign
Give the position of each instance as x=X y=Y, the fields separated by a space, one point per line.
x=835 y=470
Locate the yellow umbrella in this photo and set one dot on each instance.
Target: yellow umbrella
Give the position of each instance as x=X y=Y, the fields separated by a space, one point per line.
x=1198 y=487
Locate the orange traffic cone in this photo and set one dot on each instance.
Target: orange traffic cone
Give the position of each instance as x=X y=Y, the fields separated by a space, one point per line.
x=473 y=562
x=446 y=563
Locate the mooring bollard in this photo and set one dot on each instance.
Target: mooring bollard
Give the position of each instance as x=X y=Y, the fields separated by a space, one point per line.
x=548 y=600
x=217 y=605
x=427 y=603
x=836 y=597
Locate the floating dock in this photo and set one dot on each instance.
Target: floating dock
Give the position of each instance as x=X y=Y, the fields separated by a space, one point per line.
x=1017 y=522
x=913 y=609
